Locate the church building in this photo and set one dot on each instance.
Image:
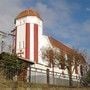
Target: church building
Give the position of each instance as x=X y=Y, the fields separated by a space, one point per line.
x=29 y=40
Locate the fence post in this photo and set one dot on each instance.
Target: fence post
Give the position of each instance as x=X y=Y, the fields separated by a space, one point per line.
x=47 y=76
x=29 y=73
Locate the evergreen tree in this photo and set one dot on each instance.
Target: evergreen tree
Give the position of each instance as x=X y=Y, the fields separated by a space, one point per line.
x=11 y=64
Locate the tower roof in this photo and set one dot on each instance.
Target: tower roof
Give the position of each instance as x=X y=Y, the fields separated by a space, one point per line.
x=28 y=12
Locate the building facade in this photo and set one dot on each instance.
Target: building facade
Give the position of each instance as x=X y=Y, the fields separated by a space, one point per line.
x=29 y=41
x=2 y=35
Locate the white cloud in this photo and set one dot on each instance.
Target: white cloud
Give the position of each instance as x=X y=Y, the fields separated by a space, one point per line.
x=48 y=15
x=8 y=11
x=59 y=13
x=87 y=9
x=59 y=22
x=86 y=26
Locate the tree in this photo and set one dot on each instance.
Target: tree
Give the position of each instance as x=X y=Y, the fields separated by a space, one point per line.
x=11 y=64
x=65 y=64
x=74 y=59
x=49 y=55
x=60 y=59
x=85 y=80
x=69 y=64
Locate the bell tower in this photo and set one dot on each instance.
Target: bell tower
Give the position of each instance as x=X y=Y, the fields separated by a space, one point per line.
x=28 y=35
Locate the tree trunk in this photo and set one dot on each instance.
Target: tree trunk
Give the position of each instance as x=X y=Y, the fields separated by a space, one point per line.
x=53 y=73
x=70 y=78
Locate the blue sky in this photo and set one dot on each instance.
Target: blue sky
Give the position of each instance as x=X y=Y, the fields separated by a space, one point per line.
x=66 y=20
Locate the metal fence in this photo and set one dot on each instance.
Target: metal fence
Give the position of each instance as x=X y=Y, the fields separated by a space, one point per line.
x=50 y=77
x=36 y=75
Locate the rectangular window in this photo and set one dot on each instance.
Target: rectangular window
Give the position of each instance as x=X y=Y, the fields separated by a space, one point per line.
x=23 y=44
x=66 y=57
x=19 y=45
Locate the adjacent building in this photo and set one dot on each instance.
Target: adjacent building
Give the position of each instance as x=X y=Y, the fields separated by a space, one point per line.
x=2 y=35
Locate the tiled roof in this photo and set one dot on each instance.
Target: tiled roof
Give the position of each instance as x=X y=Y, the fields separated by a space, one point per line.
x=63 y=48
x=28 y=12
x=60 y=45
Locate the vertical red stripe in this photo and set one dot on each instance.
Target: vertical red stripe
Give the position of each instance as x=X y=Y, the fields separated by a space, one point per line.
x=27 y=50
x=36 y=43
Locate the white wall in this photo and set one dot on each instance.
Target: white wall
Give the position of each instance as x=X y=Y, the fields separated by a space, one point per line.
x=20 y=41
x=21 y=32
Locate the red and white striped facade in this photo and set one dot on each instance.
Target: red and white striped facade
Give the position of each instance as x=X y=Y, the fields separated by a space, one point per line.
x=29 y=40
x=28 y=35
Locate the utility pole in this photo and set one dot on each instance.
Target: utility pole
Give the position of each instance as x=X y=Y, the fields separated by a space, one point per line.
x=12 y=46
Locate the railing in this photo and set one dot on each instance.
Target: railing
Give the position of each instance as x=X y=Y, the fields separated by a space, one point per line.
x=36 y=75
x=50 y=77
